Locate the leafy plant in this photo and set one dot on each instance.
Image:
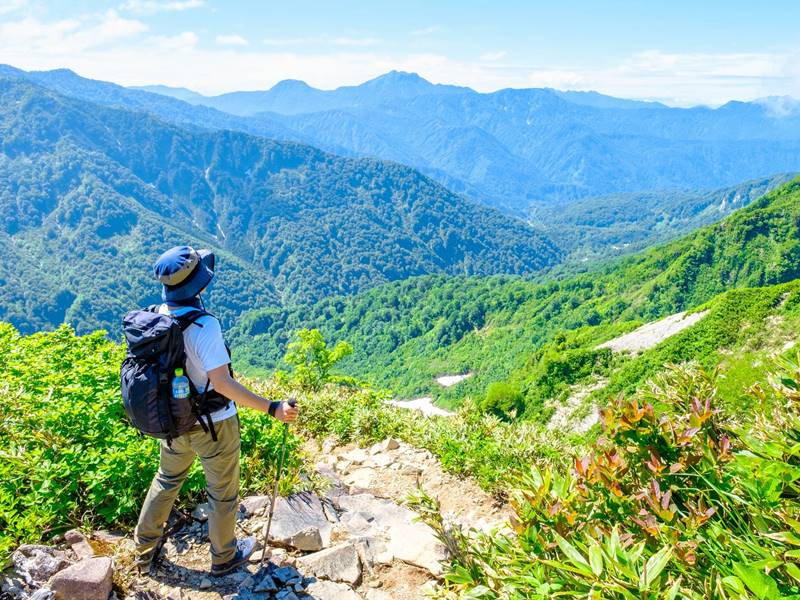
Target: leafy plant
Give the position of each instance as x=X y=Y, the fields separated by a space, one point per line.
x=312 y=359
x=682 y=501
x=67 y=455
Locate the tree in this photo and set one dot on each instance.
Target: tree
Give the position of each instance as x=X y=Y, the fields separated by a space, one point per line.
x=312 y=359
x=503 y=400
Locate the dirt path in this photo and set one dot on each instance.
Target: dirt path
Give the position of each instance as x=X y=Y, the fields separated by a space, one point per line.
x=395 y=473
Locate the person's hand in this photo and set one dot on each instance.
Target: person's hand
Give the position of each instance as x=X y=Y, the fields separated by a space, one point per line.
x=286 y=412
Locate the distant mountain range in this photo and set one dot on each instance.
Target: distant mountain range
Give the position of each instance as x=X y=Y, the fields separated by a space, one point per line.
x=90 y=195
x=513 y=149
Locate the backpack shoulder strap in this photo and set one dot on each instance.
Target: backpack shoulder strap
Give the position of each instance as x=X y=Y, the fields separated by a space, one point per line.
x=191 y=318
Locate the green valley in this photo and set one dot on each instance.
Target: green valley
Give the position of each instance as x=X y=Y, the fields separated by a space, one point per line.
x=507 y=329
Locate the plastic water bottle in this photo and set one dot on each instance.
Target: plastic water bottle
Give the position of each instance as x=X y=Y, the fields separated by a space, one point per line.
x=180 y=385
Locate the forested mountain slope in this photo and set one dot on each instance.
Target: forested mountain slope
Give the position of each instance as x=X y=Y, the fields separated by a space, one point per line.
x=408 y=332
x=510 y=149
x=90 y=195
x=607 y=226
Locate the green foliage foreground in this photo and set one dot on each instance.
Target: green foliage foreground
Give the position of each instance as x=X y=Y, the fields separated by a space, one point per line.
x=68 y=456
x=676 y=502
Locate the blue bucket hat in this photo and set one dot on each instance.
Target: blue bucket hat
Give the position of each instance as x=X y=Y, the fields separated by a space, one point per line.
x=184 y=272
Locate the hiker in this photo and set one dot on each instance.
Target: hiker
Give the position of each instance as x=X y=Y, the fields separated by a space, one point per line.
x=185 y=274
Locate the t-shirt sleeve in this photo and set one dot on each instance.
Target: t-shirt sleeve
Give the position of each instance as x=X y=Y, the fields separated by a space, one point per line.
x=210 y=345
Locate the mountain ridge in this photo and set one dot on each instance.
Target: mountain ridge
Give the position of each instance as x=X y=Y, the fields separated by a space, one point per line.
x=574 y=149
x=302 y=223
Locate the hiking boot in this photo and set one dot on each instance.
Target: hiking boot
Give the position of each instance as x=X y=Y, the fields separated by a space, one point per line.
x=144 y=562
x=244 y=548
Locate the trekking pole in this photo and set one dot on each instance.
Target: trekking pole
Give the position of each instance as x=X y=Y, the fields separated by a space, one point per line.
x=292 y=403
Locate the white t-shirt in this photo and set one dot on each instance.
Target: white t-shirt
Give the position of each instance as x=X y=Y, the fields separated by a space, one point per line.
x=205 y=350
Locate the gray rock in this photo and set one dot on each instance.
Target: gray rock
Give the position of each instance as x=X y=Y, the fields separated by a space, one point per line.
x=307 y=540
x=43 y=594
x=247 y=582
x=35 y=563
x=330 y=590
x=372 y=551
x=339 y=563
x=254 y=504
x=409 y=540
x=358 y=523
x=89 y=579
x=390 y=444
x=267 y=584
x=330 y=511
x=205 y=583
x=295 y=520
x=201 y=512
x=382 y=460
x=356 y=456
x=175 y=594
x=284 y=574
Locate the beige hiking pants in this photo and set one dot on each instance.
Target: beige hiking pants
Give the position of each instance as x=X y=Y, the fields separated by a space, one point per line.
x=220 y=462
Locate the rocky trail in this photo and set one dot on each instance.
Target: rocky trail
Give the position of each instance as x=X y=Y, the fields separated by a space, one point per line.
x=354 y=540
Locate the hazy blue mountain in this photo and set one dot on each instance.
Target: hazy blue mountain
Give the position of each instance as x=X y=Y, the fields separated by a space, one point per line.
x=68 y=83
x=602 y=101
x=89 y=196
x=292 y=96
x=512 y=149
x=179 y=93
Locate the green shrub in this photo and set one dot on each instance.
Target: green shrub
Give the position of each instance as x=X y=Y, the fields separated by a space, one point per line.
x=686 y=503
x=504 y=400
x=68 y=456
x=312 y=360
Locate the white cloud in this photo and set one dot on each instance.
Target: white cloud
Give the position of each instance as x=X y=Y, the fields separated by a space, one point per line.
x=149 y=7
x=349 y=41
x=232 y=39
x=67 y=36
x=295 y=41
x=9 y=6
x=183 y=41
x=493 y=56
x=425 y=31
x=111 y=47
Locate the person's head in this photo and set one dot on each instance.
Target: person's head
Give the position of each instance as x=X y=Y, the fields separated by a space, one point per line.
x=184 y=272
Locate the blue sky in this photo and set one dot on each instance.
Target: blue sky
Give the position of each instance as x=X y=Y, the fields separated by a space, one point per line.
x=679 y=52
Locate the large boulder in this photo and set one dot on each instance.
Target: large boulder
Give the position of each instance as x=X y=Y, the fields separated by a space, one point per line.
x=330 y=590
x=339 y=563
x=407 y=539
x=299 y=521
x=89 y=579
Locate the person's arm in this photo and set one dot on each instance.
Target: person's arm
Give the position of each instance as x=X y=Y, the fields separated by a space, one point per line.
x=233 y=390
